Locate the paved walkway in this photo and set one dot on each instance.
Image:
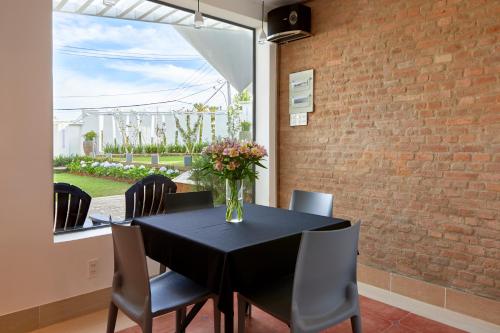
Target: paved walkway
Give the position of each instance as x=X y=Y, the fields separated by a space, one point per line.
x=112 y=205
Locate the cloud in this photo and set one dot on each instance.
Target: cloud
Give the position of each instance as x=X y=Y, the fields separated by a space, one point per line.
x=78 y=30
x=92 y=76
x=71 y=83
x=168 y=72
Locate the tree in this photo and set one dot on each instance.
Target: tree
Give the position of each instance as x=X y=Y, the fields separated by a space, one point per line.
x=201 y=109
x=213 y=110
x=130 y=131
x=188 y=133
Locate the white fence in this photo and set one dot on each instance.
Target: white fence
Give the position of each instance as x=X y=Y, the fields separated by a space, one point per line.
x=68 y=136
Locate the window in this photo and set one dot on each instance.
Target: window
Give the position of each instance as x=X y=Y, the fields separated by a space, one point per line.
x=138 y=91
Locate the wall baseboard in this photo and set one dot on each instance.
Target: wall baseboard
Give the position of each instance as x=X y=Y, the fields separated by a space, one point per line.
x=433 y=312
x=48 y=314
x=472 y=306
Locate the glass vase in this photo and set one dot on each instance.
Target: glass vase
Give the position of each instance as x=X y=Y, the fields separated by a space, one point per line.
x=234 y=201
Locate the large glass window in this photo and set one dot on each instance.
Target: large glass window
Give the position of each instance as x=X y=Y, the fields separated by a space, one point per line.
x=139 y=91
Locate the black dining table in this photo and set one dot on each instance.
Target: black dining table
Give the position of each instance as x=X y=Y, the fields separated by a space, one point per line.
x=230 y=257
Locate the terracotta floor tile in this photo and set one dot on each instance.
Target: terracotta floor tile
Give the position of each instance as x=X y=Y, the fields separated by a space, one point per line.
x=383 y=310
x=376 y=317
x=396 y=328
x=424 y=325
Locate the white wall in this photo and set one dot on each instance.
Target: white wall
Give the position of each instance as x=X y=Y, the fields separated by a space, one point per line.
x=266 y=111
x=34 y=270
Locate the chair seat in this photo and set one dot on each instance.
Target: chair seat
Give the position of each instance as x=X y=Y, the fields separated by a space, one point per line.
x=171 y=291
x=275 y=298
x=327 y=319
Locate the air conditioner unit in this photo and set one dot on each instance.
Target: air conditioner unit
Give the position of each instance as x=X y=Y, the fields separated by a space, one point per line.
x=289 y=23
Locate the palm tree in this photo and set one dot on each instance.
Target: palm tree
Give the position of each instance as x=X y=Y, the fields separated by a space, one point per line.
x=200 y=108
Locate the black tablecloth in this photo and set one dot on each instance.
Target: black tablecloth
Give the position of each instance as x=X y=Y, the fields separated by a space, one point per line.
x=228 y=257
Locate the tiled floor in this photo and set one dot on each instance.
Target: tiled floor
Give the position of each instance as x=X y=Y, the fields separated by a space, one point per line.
x=376 y=317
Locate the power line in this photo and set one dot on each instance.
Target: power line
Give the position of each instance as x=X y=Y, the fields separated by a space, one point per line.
x=136 y=93
x=130 y=53
x=183 y=85
x=125 y=58
x=137 y=105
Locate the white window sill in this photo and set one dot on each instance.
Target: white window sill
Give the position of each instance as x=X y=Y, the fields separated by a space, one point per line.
x=72 y=236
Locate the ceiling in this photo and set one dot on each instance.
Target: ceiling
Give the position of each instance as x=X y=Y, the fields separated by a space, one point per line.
x=270 y=4
x=136 y=10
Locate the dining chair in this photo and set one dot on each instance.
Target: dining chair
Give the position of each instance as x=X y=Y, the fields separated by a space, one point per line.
x=308 y=202
x=142 y=299
x=323 y=291
x=146 y=197
x=71 y=206
x=312 y=202
x=184 y=201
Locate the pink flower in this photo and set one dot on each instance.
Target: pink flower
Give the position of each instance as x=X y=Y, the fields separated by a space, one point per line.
x=232 y=165
x=218 y=166
x=244 y=149
x=225 y=152
x=255 y=152
x=233 y=152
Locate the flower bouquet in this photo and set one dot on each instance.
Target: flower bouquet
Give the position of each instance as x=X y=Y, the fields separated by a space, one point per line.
x=234 y=162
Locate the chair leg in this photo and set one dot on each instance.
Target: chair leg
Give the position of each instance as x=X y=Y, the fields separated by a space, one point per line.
x=163 y=268
x=216 y=316
x=112 y=313
x=180 y=315
x=356 y=324
x=147 y=326
x=241 y=314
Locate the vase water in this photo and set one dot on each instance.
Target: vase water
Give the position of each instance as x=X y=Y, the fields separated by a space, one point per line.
x=234 y=200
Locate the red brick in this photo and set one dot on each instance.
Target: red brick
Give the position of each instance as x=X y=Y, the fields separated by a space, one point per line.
x=407 y=103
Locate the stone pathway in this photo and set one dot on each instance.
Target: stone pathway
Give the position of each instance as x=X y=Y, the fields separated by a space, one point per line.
x=105 y=206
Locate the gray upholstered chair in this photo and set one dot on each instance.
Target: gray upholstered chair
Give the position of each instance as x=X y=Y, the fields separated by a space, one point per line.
x=142 y=299
x=312 y=203
x=183 y=201
x=323 y=291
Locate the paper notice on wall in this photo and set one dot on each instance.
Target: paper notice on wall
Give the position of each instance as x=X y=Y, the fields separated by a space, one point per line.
x=298 y=119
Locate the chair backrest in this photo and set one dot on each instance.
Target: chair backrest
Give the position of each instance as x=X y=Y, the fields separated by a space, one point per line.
x=147 y=196
x=131 y=279
x=312 y=202
x=71 y=206
x=179 y=202
x=325 y=270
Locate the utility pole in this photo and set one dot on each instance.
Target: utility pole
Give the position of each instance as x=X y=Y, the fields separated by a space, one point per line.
x=228 y=94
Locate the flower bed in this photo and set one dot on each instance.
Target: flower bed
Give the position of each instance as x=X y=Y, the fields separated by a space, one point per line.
x=118 y=170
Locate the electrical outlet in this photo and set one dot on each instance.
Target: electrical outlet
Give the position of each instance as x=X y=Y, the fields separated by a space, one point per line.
x=92 y=268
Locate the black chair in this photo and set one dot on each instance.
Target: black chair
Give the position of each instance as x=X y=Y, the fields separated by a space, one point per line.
x=323 y=291
x=147 y=196
x=312 y=203
x=71 y=206
x=184 y=201
x=142 y=299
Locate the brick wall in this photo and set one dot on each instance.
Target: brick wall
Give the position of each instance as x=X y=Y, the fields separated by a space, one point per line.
x=405 y=133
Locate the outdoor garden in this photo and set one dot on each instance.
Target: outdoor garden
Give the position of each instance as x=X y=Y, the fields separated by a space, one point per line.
x=112 y=170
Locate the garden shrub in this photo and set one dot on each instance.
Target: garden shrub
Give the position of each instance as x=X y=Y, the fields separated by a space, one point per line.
x=118 y=170
x=64 y=160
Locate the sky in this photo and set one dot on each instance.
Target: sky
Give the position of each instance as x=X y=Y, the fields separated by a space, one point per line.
x=96 y=65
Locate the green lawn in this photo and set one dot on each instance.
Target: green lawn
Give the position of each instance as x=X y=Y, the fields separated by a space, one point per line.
x=95 y=187
x=170 y=160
